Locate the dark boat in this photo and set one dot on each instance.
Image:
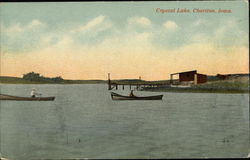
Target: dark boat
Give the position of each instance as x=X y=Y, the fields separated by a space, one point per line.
x=116 y=96
x=17 y=98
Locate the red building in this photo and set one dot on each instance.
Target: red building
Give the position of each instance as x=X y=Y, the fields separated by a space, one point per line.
x=190 y=77
x=223 y=76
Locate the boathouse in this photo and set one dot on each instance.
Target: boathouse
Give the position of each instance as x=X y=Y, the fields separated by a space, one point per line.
x=189 y=77
x=223 y=76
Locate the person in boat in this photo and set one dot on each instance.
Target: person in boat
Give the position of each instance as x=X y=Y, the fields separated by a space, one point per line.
x=131 y=94
x=34 y=93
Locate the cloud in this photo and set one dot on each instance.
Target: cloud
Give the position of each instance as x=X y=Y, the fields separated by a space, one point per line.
x=34 y=24
x=91 y=24
x=18 y=28
x=127 y=42
x=15 y=28
x=16 y=37
x=65 y=41
x=101 y=32
x=229 y=26
x=228 y=33
x=201 y=22
x=199 y=38
x=142 y=21
x=94 y=24
x=170 y=25
x=92 y=28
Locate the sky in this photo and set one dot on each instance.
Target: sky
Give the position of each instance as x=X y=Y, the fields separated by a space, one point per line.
x=88 y=40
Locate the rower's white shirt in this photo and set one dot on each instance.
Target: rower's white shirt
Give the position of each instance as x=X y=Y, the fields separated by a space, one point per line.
x=33 y=93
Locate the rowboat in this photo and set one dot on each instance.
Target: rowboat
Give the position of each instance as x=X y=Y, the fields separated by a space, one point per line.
x=116 y=96
x=17 y=98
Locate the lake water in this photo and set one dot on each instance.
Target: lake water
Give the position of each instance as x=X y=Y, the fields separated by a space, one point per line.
x=83 y=122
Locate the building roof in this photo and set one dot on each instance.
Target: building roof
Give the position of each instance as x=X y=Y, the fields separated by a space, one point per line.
x=185 y=72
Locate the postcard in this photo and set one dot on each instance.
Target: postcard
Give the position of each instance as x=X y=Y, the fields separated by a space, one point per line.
x=124 y=80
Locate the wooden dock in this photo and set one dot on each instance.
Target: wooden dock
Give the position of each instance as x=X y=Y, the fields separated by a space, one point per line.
x=133 y=85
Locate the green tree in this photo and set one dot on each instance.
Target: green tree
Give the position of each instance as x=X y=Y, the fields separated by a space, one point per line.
x=32 y=76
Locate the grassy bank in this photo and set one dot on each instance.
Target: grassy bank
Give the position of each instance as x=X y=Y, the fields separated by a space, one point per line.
x=195 y=90
x=235 y=85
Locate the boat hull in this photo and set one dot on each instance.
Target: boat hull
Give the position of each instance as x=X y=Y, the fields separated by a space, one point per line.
x=116 y=96
x=16 y=98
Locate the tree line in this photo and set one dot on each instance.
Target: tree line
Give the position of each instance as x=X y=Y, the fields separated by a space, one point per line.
x=32 y=76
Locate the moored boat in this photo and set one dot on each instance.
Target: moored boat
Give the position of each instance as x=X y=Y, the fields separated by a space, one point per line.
x=17 y=98
x=116 y=96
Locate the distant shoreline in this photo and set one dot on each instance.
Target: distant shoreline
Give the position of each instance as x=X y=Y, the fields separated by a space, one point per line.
x=235 y=85
x=17 y=80
x=88 y=82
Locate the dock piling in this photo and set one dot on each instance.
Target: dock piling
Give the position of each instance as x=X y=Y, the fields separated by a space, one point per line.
x=109 y=82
